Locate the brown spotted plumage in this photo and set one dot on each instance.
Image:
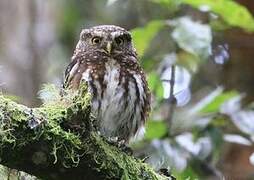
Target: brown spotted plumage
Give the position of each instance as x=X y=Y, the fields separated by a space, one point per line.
x=106 y=59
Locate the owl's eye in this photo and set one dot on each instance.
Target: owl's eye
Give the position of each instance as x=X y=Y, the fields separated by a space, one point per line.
x=119 y=41
x=96 y=40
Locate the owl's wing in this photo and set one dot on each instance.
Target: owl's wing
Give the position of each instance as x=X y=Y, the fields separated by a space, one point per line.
x=70 y=71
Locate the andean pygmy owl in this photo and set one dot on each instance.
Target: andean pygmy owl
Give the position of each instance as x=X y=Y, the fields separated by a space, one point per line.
x=106 y=59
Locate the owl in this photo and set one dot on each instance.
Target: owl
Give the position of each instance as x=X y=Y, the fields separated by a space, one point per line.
x=107 y=61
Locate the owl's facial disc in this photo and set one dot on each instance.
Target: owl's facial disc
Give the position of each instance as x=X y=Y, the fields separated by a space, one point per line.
x=107 y=38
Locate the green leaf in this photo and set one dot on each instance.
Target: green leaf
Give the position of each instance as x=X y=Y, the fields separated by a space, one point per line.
x=143 y=36
x=155 y=129
x=171 y=5
x=147 y=65
x=188 y=61
x=233 y=13
x=192 y=36
x=216 y=134
x=187 y=174
x=164 y=2
x=230 y=11
x=155 y=84
x=218 y=101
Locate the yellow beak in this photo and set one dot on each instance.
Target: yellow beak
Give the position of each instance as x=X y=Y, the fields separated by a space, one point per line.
x=109 y=47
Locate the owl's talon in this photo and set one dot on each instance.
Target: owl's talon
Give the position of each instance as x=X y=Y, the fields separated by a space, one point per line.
x=165 y=172
x=126 y=149
x=120 y=144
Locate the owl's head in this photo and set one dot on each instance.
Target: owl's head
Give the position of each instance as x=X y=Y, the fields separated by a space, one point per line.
x=106 y=38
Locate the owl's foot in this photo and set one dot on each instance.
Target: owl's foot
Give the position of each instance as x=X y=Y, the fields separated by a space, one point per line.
x=126 y=149
x=120 y=144
x=165 y=172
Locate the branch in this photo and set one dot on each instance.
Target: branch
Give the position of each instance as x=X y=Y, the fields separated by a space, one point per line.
x=57 y=141
x=171 y=99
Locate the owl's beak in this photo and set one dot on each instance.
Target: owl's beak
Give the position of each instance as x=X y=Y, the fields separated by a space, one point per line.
x=109 y=47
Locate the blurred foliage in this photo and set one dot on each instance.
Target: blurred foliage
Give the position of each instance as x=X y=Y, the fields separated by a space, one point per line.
x=69 y=21
x=192 y=36
x=198 y=127
x=214 y=106
x=231 y=12
x=155 y=85
x=143 y=36
x=187 y=174
x=155 y=129
x=189 y=61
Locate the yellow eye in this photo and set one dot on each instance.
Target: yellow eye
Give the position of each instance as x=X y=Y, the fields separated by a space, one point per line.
x=96 y=40
x=119 y=41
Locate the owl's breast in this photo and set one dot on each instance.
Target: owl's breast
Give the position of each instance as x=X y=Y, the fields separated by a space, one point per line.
x=116 y=99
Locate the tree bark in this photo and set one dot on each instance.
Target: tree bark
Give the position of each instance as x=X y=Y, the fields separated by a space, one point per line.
x=58 y=141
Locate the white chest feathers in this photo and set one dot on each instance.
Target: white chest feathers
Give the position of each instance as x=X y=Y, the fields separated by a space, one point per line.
x=118 y=110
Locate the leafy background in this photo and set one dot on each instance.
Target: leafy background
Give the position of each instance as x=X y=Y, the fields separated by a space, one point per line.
x=202 y=126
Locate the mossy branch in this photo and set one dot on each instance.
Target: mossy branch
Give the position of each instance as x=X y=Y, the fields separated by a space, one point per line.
x=57 y=141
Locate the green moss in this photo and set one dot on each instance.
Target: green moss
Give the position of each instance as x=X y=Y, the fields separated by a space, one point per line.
x=63 y=143
x=21 y=126
x=118 y=163
x=48 y=119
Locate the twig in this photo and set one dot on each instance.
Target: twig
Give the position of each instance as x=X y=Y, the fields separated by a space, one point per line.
x=171 y=99
x=172 y=104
